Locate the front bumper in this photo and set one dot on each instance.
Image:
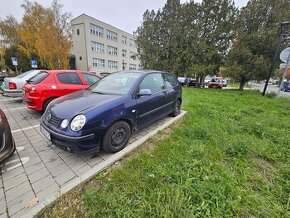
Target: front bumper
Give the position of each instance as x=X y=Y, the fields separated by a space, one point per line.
x=89 y=142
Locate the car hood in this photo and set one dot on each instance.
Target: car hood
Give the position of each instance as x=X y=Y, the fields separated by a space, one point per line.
x=79 y=103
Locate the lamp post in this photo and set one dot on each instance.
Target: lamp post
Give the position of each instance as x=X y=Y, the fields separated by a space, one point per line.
x=283 y=36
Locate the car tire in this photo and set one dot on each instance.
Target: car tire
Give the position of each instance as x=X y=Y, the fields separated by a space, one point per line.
x=176 y=108
x=116 y=137
x=46 y=103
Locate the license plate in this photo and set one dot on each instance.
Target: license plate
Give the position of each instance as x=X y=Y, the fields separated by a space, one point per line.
x=45 y=133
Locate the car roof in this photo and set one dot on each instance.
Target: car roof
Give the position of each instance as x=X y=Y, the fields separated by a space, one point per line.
x=142 y=71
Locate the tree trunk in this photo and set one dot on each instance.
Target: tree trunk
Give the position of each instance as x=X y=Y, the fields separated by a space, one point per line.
x=242 y=84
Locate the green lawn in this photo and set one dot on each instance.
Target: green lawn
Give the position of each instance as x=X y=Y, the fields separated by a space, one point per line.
x=228 y=157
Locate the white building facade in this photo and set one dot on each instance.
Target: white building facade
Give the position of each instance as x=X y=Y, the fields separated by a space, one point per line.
x=100 y=47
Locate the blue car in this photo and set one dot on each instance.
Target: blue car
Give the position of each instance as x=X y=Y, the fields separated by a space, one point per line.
x=286 y=86
x=105 y=115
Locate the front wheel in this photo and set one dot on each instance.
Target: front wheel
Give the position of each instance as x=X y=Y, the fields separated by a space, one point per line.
x=176 y=108
x=116 y=137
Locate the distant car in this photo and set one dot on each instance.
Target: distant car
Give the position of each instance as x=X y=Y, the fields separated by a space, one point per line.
x=12 y=86
x=2 y=76
x=286 y=86
x=47 y=85
x=191 y=82
x=7 y=145
x=225 y=83
x=216 y=82
x=105 y=115
x=182 y=80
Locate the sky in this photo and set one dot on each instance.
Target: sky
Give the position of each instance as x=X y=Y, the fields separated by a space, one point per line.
x=123 y=14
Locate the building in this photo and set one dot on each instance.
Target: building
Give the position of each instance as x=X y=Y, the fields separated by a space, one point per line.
x=100 y=47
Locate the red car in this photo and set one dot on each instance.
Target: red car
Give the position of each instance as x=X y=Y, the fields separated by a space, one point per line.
x=216 y=82
x=41 y=89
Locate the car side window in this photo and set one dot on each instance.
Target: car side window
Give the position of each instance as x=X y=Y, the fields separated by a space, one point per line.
x=170 y=80
x=90 y=79
x=154 y=82
x=69 y=78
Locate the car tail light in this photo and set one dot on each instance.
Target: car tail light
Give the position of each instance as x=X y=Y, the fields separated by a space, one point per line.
x=12 y=85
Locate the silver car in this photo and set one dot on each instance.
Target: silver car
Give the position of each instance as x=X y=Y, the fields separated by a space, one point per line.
x=12 y=86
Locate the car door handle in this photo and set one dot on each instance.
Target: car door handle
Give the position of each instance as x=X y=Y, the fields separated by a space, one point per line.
x=165 y=92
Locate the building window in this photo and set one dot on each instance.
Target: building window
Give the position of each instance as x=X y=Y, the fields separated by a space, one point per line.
x=124 y=40
x=81 y=58
x=140 y=67
x=111 y=35
x=132 y=43
x=124 y=66
x=98 y=47
x=112 y=50
x=78 y=31
x=98 y=62
x=124 y=53
x=97 y=30
x=113 y=64
x=133 y=55
x=132 y=67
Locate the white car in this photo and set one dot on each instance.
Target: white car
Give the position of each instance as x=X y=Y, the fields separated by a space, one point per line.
x=12 y=86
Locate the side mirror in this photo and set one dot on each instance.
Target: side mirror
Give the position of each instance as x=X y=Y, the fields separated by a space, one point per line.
x=144 y=92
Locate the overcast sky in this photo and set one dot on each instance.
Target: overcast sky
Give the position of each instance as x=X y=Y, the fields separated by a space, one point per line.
x=123 y=14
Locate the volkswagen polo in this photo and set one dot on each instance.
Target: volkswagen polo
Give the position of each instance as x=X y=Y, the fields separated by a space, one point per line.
x=105 y=115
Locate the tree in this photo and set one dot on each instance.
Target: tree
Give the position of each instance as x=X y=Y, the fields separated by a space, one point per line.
x=22 y=59
x=8 y=31
x=44 y=33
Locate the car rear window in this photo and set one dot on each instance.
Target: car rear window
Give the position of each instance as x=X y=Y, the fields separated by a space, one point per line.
x=69 y=78
x=38 y=78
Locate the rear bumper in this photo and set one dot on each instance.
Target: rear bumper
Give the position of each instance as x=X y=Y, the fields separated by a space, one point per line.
x=32 y=103
x=12 y=93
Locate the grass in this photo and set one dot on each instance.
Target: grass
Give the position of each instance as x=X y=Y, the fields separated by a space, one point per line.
x=229 y=157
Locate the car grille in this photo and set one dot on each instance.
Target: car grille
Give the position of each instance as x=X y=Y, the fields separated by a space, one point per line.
x=54 y=121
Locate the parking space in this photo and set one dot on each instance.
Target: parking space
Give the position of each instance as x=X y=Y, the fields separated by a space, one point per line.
x=39 y=171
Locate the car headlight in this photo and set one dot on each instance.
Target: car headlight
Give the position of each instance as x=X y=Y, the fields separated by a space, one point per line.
x=64 y=123
x=78 y=122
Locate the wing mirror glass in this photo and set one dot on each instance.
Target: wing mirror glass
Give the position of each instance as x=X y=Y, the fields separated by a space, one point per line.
x=144 y=92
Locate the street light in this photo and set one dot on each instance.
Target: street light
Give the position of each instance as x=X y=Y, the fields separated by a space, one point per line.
x=283 y=36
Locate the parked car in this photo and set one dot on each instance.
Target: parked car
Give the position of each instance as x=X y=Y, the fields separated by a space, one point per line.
x=7 y=145
x=47 y=85
x=225 y=83
x=12 y=86
x=105 y=115
x=191 y=82
x=286 y=86
x=216 y=82
x=2 y=76
x=182 y=80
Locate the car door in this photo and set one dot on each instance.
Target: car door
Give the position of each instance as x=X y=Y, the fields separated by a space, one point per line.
x=151 y=106
x=69 y=82
x=172 y=89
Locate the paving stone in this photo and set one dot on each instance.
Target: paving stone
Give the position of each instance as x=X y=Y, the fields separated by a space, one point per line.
x=12 y=173
x=2 y=194
x=2 y=206
x=20 y=203
x=83 y=170
x=35 y=176
x=18 y=191
x=50 y=190
x=4 y=215
x=53 y=164
x=59 y=169
x=65 y=177
x=42 y=183
x=35 y=167
x=15 y=181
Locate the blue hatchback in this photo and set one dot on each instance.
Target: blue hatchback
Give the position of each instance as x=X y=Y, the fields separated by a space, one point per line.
x=105 y=115
x=286 y=86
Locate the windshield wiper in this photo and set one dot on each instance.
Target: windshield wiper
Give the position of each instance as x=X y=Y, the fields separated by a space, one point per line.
x=97 y=92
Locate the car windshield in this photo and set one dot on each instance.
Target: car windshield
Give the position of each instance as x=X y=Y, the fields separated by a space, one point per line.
x=115 y=84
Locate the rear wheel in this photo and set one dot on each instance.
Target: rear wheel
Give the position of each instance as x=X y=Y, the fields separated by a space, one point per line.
x=116 y=137
x=176 y=108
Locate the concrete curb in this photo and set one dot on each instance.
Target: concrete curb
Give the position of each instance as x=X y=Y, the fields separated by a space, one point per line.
x=100 y=167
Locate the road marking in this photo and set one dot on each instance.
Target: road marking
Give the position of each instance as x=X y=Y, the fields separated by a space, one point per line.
x=14 y=164
x=16 y=108
x=26 y=128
